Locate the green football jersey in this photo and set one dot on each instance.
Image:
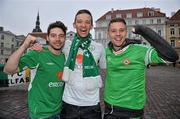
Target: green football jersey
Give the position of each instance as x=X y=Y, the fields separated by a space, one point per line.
x=46 y=87
x=125 y=81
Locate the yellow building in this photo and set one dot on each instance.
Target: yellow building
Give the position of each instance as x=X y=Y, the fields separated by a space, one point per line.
x=173 y=31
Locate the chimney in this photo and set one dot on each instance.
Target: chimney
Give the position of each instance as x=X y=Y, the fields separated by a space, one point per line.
x=157 y=9
x=112 y=10
x=172 y=13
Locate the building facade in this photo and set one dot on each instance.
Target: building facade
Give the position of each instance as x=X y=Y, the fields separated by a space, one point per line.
x=173 y=31
x=8 y=44
x=150 y=17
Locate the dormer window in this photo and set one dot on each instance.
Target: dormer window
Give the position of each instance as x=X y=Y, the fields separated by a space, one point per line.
x=151 y=13
x=118 y=16
x=129 y=15
x=108 y=17
x=139 y=14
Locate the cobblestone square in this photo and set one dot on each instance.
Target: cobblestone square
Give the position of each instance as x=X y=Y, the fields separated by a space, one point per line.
x=163 y=90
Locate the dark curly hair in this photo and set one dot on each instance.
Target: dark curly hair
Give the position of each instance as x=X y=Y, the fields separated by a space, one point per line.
x=57 y=24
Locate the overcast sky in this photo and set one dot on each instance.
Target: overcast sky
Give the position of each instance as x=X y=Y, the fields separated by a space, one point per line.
x=19 y=16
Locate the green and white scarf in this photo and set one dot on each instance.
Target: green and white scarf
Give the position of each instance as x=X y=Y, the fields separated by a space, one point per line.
x=90 y=68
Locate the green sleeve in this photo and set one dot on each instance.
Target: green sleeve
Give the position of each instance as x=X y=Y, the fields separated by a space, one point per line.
x=154 y=57
x=28 y=60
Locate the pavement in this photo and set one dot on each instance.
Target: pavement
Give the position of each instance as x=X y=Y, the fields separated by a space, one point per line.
x=163 y=91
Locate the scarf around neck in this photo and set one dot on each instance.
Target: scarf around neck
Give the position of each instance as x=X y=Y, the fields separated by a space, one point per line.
x=89 y=65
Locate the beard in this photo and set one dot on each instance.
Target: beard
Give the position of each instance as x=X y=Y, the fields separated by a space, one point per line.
x=58 y=49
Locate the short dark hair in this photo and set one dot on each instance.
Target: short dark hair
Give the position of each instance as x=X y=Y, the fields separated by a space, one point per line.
x=84 y=11
x=57 y=24
x=116 y=20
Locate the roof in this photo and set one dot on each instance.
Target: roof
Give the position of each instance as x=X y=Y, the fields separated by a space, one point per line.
x=175 y=19
x=134 y=12
x=176 y=16
x=7 y=32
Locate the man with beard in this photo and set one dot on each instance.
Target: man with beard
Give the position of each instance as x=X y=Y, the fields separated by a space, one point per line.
x=81 y=75
x=46 y=87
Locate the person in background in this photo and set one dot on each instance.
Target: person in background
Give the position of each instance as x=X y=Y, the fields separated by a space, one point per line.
x=81 y=75
x=124 y=93
x=46 y=86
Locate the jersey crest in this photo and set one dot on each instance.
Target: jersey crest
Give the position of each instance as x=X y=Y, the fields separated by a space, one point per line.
x=126 y=61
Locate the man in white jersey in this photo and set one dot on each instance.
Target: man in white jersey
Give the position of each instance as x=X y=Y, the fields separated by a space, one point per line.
x=81 y=75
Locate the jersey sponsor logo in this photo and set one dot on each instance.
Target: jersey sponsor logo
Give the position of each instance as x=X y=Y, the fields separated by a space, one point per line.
x=59 y=75
x=126 y=61
x=55 y=84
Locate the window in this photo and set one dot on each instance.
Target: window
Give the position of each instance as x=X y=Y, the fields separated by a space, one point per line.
x=159 y=21
x=12 y=46
x=103 y=24
x=12 y=40
x=159 y=32
x=144 y=21
x=129 y=34
x=172 y=31
x=2 y=45
x=129 y=22
x=118 y=16
x=108 y=17
x=151 y=13
x=136 y=21
x=2 y=37
x=17 y=44
x=129 y=15
x=2 y=52
x=151 y=21
x=137 y=36
x=139 y=14
x=99 y=35
x=172 y=43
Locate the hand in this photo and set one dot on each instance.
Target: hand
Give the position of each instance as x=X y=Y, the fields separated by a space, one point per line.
x=29 y=41
x=37 y=47
x=133 y=29
x=137 y=29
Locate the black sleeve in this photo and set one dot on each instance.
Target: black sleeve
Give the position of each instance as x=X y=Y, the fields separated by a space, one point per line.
x=163 y=48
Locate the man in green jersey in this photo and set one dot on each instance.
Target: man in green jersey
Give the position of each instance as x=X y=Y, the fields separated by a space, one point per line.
x=124 y=92
x=46 y=87
x=82 y=79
